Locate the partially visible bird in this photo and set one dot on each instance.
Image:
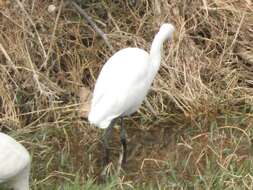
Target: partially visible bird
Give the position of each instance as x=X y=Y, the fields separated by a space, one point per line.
x=14 y=163
x=123 y=83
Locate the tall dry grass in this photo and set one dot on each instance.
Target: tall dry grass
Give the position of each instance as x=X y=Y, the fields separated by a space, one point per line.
x=47 y=57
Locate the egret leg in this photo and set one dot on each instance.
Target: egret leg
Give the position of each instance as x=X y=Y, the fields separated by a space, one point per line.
x=107 y=135
x=123 y=143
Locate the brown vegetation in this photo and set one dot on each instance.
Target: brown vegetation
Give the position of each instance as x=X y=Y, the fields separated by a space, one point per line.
x=47 y=58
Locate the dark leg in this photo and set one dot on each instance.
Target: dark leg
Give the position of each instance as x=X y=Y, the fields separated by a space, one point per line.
x=123 y=142
x=106 y=137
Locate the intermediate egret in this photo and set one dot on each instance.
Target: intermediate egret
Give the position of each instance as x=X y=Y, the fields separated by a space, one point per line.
x=122 y=85
x=14 y=163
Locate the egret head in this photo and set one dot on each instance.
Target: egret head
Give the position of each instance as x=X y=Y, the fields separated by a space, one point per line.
x=166 y=31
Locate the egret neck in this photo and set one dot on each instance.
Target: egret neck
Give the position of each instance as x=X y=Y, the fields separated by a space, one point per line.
x=156 y=53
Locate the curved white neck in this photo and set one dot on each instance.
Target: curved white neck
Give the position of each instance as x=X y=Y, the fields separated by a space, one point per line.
x=156 y=52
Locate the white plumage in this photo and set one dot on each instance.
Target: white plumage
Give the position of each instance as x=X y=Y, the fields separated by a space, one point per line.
x=14 y=163
x=125 y=80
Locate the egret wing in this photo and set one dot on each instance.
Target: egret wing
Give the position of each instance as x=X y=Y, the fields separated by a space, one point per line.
x=121 y=84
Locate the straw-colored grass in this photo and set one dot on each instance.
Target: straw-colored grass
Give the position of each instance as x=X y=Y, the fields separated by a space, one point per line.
x=195 y=129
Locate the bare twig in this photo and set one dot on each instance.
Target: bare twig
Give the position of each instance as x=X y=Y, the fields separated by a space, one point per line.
x=150 y=107
x=110 y=16
x=8 y=57
x=53 y=36
x=32 y=23
x=43 y=89
x=93 y=24
x=15 y=22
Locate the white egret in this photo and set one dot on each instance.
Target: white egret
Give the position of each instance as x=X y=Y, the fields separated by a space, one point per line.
x=14 y=163
x=123 y=83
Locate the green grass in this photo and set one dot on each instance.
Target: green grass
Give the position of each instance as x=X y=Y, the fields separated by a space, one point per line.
x=215 y=156
x=199 y=133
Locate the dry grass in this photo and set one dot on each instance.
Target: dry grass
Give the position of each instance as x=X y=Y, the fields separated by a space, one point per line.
x=205 y=80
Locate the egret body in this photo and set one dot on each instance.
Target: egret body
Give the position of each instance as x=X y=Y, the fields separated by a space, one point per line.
x=14 y=163
x=123 y=83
